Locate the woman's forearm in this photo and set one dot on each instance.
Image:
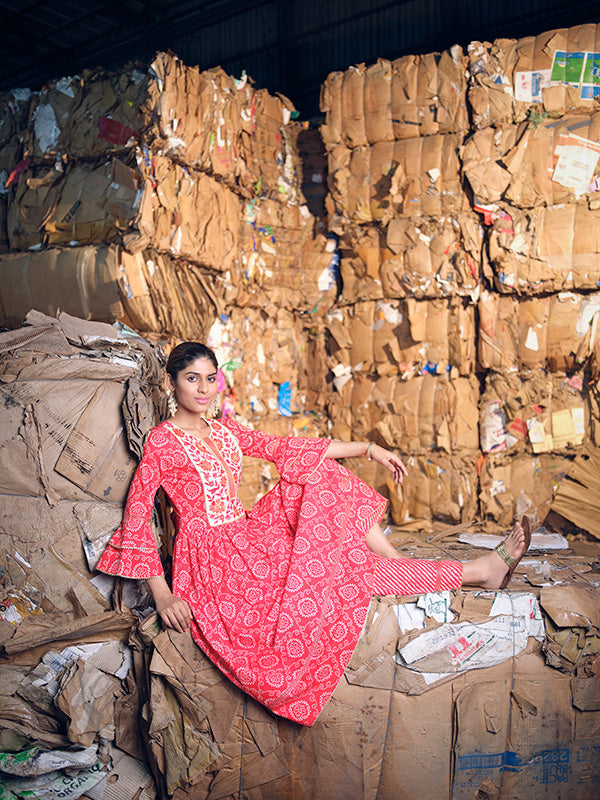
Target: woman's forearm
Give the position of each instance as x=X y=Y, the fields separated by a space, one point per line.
x=346 y=449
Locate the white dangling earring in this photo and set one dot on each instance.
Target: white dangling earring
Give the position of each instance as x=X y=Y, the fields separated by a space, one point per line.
x=214 y=408
x=171 y=403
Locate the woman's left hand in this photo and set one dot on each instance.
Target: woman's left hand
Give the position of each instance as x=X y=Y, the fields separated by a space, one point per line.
x=390 y=461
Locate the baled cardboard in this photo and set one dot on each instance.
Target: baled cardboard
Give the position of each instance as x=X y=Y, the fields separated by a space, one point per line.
x=80 y=281
x=545 y=249
x=513 y=78
x=513 y=485
x=533 y=410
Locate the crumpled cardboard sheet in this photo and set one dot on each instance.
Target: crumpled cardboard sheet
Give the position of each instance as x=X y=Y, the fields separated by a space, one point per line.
x=511 y=78
x=401 y=337
x=89 y=115
x=410 y=177
x=80 y=399
x=533 y=410
x=411 y=96
x=513 y=485
x=545 y=249
x=557 y=332
x=576 y=499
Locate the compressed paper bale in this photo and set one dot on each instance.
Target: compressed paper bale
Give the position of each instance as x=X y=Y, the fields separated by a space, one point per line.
x=284 y=260
x=429 y=94
x=439 y=488
x=557 y=332
x=403 y=178
x=428 y=413
x=554 y=162
x=92 y=114
x=81 y=281
x=545 y=249
x=167 y=296
x=402 y=337
x=14 y=112
x=189 y=215
x=432 y=256
x=261 y=353
x=83 y=204
x=534 y=411
x=513 y=485
x=409 y=97
x=513 y=78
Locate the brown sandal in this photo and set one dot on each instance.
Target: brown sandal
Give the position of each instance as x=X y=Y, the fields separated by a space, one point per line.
x=512 y=562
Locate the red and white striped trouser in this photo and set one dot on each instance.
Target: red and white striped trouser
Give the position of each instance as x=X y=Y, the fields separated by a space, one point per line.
x=406 y=576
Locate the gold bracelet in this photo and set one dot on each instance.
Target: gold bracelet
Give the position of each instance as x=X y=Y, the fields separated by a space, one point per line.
x=368 y=453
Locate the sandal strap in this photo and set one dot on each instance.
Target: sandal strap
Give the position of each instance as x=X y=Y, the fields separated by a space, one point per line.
x=502 y=551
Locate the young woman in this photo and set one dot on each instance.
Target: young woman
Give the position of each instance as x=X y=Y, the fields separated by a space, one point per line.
x=275 y=597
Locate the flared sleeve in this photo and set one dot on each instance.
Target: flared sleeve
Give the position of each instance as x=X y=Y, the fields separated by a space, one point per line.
x=132 y=551
x=296 y=458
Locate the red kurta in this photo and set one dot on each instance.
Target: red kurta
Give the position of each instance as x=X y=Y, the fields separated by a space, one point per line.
x=279 y=594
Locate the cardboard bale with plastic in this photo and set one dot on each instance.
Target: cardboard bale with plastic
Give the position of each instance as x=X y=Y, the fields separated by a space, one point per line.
x=554 y=73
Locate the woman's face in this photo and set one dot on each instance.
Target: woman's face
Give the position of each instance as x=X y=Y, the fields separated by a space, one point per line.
x=196 y=386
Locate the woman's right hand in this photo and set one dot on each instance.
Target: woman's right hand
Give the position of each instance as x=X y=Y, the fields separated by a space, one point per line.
x=173 y=610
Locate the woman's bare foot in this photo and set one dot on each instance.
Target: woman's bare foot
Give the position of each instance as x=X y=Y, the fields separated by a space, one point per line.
x=490 y=570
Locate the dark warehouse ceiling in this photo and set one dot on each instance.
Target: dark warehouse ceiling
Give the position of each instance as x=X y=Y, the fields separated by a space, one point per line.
x=286 y=45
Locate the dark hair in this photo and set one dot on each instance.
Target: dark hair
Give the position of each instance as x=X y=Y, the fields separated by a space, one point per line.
x=184 y=354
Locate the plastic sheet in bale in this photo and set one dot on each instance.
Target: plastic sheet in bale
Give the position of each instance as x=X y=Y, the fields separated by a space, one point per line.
x=89 y=115
x=545 y=249
x=513 y=485
x=410 y=177
x=534 y=411
x=557 y=332
x=553 y=72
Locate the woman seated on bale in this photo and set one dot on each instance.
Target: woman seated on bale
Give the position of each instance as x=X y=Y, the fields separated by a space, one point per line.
x=276 y=597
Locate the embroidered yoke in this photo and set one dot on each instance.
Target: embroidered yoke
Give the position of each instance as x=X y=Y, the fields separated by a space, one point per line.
x=278 y=594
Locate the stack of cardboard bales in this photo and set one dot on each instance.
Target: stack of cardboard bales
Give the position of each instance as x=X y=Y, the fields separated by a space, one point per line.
x=402 y=339
x=531 y=162
x=164 y=198
x=464 y=188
